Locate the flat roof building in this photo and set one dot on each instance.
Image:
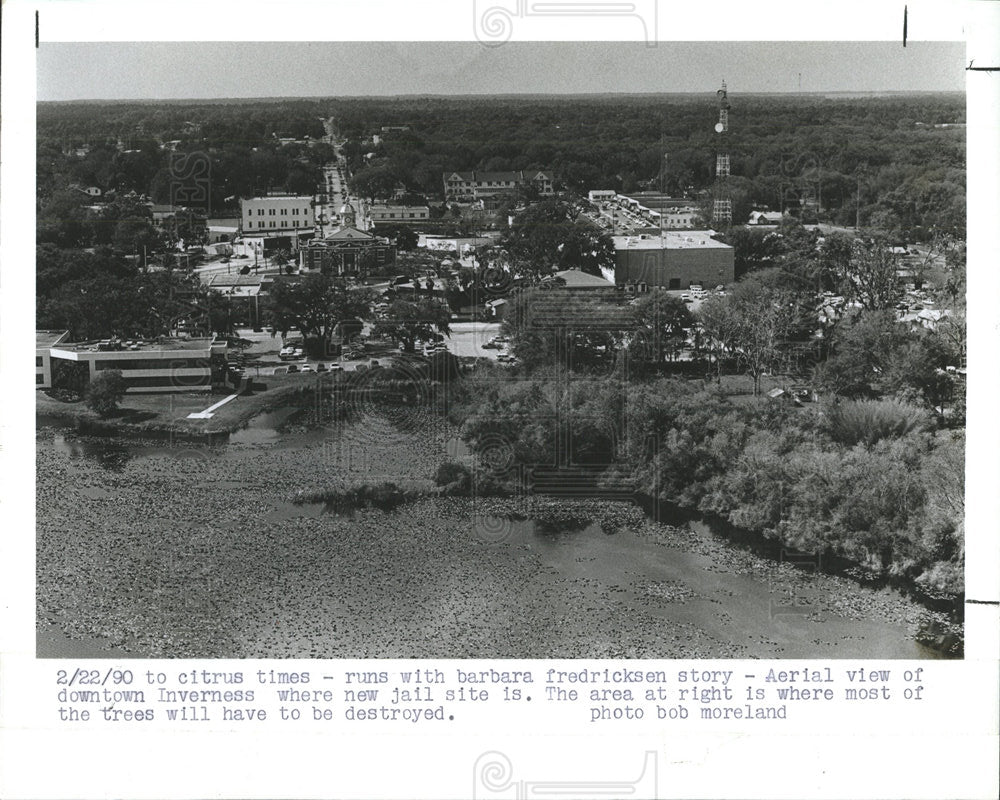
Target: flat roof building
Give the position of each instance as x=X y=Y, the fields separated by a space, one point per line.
x=659 y=209
x=165 y=365
x=673 y=260
x=44 y=341
x=274 y=215
x=601 y=195
x=398 y=214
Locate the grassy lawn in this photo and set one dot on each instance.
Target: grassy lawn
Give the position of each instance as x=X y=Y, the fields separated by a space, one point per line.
x=168 y=412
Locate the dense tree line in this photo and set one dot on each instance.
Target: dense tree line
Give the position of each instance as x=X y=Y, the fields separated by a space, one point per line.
x=881 y=487
x=153 y=149
x=812 y=156
x=873 y=472
x=97 y=295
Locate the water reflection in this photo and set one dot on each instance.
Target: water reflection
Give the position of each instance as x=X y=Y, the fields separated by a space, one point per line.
x=112 y=453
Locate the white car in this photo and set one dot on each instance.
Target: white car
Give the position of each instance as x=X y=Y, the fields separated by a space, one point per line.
x=286 y=352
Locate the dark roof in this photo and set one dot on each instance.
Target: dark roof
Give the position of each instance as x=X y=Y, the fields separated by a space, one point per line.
x=499 y=176
x=347 y=232
x=577 y=279
x=551 y=309
x=217 y=281
x=49 y=338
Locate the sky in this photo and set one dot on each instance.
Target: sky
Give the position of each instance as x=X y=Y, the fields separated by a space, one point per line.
x=202 y=70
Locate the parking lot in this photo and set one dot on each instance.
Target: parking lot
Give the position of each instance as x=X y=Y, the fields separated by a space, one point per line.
x=263 y=357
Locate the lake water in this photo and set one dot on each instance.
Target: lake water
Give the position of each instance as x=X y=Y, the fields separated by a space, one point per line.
x=700 y=583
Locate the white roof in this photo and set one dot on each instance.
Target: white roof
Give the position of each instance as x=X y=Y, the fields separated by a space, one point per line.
x=668 y=240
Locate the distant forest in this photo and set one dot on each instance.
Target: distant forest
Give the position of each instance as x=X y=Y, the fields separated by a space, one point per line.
x=903 y=156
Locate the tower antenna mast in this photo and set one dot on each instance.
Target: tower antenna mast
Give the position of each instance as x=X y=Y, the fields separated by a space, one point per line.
x=663 y=182
x=722 y=208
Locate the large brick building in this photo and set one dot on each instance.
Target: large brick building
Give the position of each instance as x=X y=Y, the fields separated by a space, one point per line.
x=673 y=260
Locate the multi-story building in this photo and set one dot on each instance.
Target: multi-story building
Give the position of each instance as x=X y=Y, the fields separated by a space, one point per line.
x=348 y=252
x=392 y=214
x=44 y=341
x=165 y=365
x=484 y=185
x=672 y=260
x=276 y=215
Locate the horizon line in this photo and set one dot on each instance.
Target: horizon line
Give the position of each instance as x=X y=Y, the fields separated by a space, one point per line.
x=815 y=93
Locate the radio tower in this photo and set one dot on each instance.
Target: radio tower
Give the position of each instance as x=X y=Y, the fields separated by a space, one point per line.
x=722 y=209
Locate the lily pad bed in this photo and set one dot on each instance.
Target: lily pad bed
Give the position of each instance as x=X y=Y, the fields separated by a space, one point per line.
x=166 y=557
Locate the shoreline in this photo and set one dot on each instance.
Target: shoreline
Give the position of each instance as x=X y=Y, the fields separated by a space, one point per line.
x=226 y=421
x=199 y=558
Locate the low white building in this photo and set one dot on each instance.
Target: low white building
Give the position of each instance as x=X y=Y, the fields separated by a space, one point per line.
x=166 y=365
x=44 y=341
x=601 y=195
x=765 y=218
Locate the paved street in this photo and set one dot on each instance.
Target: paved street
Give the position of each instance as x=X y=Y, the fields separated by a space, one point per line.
x=466 y=341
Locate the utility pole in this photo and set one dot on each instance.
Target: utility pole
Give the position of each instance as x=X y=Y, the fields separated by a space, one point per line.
x=857 y=208
x=663 y=182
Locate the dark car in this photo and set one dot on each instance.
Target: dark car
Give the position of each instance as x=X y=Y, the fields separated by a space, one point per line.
x=321 y=367
x=293 y=368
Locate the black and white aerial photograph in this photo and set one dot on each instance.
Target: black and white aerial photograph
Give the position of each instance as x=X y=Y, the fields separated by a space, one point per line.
x=460 y=350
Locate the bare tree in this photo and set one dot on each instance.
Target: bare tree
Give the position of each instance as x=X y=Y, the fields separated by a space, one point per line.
x=752 y=323
x=870 y=277
x=719 y=330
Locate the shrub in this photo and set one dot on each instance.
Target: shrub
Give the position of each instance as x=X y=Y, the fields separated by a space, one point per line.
x=453 y=474
x=868 y=421
x=386 y=496
x=105 y=392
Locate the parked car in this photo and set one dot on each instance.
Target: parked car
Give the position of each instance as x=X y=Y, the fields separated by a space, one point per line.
x=307 y=368
x=286 y=352
x=293 y=368
x=321 y=367
x=374 y=364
